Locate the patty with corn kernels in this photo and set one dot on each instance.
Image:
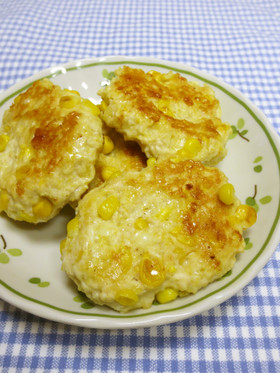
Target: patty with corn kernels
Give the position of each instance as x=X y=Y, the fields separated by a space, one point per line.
x=156 y=234
x=166 y=114
x=49 y=142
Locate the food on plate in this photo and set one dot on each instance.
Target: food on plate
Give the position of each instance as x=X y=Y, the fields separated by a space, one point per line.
x=166 y=114
x=117 y=156
x=49 y=141
x=156 y=234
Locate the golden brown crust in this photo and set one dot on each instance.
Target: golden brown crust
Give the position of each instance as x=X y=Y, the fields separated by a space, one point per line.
x=169 y=230
x=163 y=111
x=141 y=88
x=53 y=141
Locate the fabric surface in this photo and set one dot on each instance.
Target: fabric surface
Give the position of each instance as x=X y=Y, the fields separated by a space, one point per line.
x=235 y=40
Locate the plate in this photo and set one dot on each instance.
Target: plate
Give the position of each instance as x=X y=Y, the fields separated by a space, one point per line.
x=30 y=268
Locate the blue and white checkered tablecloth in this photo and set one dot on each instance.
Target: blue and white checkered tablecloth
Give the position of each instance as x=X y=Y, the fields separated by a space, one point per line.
x=235 y=40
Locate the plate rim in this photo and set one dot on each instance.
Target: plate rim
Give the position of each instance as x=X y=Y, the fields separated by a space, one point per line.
x=162 y=316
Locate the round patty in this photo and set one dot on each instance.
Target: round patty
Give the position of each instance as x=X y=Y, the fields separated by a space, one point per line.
x=49 y=143
x=166 y=114
x=157 y=231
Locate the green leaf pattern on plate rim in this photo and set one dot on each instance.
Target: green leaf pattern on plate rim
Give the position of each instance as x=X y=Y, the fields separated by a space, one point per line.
x=4 y=257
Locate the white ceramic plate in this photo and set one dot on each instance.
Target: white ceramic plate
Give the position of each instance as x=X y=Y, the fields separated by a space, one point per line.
x=30 y=274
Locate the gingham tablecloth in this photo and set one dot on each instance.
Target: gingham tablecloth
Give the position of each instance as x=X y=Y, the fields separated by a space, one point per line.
x=239 y=42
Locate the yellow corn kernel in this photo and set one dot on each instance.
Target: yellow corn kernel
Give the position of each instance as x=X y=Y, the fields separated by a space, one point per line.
x=164 y=106
x=115 y=174
x=72 y=91
x=151 y=161
x=25 y=153
x=156 y=75
x=93 y=108
x=126 y=297
x=108 y=145
x=108 y=207
x=164 y=213
x=172 y=269
x=43 y=208
x=140 y=224
x=102 y=106
x=17 y=99
x=246 y=215
x=190 y=149
x=166 y=295
x=68 y=102
x=108 y=172
x=4 y=200
x=62 y=245
x=227 y=194
x=151 y=271
x=73 y=226
x=4 y=139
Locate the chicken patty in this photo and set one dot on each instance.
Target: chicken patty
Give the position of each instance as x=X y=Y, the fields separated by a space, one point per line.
x=159 y=233
x=49 y=142
x=166 y=114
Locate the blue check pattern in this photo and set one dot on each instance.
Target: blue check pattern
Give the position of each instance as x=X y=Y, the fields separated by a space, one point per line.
x=235 y=40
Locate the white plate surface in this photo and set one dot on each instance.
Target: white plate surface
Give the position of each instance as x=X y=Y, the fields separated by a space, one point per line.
x=30 y=274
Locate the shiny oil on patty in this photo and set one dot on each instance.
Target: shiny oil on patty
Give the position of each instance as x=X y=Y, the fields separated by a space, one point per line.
x=158 y=233
x=166 y=114
x=49 y=141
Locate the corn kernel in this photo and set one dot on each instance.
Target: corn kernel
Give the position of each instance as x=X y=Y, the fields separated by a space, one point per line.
x=102 y=106
x=109 y=172
x=4 y=139
x=151 y=272
x=126 y=297
x=4 y=200
x=227 y=194
x=164 y=213
x=172 y=269
x=62 y=245
x=17 y=99
x=108 y=207
x=156 y=75
x=190 y=149
x=73 y=226
x=93 y=108
x=72 y=91
x=68 y=102
x=166 y=295
x=108 y=145
x=246 y=215
x=140 y=224
x=43 y=208
x=115 y=174
x=151 y=161
x=25 y=153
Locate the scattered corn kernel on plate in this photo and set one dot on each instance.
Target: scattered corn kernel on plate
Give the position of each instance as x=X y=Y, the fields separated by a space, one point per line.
x=30 y=267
